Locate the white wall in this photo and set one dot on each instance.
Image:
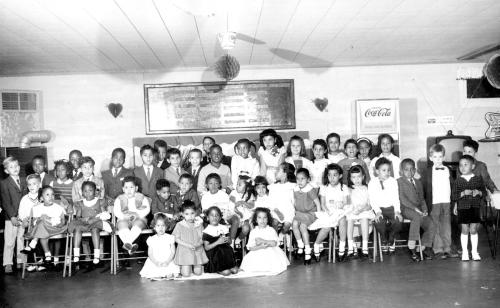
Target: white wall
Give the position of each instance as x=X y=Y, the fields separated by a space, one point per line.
x=74 y=105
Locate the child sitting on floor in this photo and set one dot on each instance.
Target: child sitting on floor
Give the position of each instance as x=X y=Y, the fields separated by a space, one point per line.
x=190 y=255
x=131 y=209
x=265 y=257
x=161 y=251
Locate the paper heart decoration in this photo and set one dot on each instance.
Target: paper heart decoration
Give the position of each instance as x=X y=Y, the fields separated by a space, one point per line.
x=320 y=103
x=115 y=109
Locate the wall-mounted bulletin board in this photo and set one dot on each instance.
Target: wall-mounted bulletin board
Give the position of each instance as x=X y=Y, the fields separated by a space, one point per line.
x=219 y=106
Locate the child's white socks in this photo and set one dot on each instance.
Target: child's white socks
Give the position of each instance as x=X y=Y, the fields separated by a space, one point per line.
x=97 y=252
x=350 y=246
x=300 y=245
x=473 y=241
x=412 y=244
x=365 y=246
x=464 y=240
x=134 y=233
x=76 y=253
x=341 y=248
x=316 y=248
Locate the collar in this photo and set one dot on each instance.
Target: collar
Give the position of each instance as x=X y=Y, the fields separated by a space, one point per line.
x=306 y=189
x=68 y=181
x=147 y=167
x=216 y=231
x=90 y=203
x=467 y=177
x=16 y=178
x=116 y=169
x=90 y=178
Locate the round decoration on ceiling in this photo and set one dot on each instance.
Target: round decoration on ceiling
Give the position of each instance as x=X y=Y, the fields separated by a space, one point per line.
x=227 y=67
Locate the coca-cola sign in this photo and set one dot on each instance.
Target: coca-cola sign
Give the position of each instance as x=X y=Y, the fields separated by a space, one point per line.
x=377 y=116
x=378 y=112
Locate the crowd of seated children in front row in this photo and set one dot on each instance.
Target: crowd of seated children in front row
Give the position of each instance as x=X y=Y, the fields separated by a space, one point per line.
x=203 y=208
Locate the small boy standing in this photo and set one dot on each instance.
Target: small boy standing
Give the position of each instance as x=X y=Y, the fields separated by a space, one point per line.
x=160 y=148
x=215 y=166
x=438 y=193
x=195 y=156
x=12 y=190
x=384 y=199
x=39 y=166
x=113 y=177
x=242 y=163
x=174 y=171
x=148 y=174
x=75 y=159
x=414 y=208
x=470 y=148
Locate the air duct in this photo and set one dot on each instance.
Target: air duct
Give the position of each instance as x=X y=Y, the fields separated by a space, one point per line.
x=42 y=136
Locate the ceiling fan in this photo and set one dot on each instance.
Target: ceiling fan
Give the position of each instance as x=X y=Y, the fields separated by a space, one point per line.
x=487 y=49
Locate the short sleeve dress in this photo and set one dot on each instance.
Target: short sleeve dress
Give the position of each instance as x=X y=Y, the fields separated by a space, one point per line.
x=89 y=209
x=317 y=169
x=161 y=246
x=190 y=233
x=304 y=204
x=336 y=201
x=52 y=223
x=272 y=161
x=359 y=200
x=221 y=257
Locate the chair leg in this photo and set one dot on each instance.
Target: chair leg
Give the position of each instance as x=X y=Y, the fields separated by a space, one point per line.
x=111 y=255
x=375 y=249
x=495 y=241
x=330 y=246
x=420 y=246
x=334 y=245
x=243 y=245
x=380 y=247
x=65 y=262
x=290 y=250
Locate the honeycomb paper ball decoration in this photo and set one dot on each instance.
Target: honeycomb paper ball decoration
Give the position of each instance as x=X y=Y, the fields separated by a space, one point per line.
x=227 y=67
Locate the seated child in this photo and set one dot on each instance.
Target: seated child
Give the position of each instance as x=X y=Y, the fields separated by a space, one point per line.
x=131 y=209
x=163 y=202
x=186 y=192
x=216 y=242
x=190 y=255
x=243 y=202
x=384 y=199
x=215 y=166
x=161 y=252
x=306 y=204
x=87 y=175
x=265 y=257
x=217 y=197
x=414 y=208
x=351 y=150
x=468 y=190
x=63 y=185
x=361 y=210
x=174 y=171
x=296 y=154
x=49 y=221
x=90 y=216
x=242 y=163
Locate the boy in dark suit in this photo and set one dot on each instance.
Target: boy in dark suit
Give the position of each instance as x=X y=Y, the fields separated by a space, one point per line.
x=414 y=208
x=161 y=147
x=39 y=166
x=113 y=177
x=148 y=174
x=12 y=190
x=195 y=156
x=174 y=171
x=75 y=158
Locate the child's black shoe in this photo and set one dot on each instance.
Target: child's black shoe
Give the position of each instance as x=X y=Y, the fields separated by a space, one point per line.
x=428 y=253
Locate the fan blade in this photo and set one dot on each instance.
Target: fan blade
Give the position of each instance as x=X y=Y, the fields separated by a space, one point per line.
x=302 y=59
x=479 y=52
x=249 y=39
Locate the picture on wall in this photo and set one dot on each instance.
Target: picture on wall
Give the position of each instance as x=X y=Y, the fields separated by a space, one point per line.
x=219 y=106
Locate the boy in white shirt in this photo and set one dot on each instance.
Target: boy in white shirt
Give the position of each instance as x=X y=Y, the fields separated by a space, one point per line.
x=384 y=199
x=242 y=163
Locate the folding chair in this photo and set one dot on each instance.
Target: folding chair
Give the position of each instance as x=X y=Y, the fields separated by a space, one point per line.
x=376 y=243
x=329 y=240
x=407 y=221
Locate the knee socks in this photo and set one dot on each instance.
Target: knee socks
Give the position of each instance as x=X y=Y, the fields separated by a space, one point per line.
x=316 y=248
x=134 y=233
x=411 y=244
x=473 y=242
x=464 y=240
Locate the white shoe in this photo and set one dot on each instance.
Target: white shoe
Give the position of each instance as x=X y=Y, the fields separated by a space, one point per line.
x=465 y=256
x=476 y=256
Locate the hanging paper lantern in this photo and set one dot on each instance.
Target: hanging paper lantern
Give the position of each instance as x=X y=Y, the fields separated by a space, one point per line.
x=227 y=67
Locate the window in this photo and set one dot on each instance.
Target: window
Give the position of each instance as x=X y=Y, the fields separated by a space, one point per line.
x=19 y=101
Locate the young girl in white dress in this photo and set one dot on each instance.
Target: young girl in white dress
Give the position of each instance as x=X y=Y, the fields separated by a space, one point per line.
x=296 y=154
x=271 y=154
x=334 y=203
x=265 y=257
x=361 y=210
x=319 y=163
x=161 y=252
x=386 y=147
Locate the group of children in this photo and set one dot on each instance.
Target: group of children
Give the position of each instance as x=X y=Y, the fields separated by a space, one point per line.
x=203 y=208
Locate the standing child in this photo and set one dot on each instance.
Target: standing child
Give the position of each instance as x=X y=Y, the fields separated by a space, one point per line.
x=190 y=255
x=131 y=209
x=242 y=163
x=306 y=203
x=438 y=194
x=334 y=200
x=468 y=190
x=194 y=167
x=265 y=257
x=161 y=252
x=75 y=160
x=384 y=199
x=334 y=153
x=87 y=168
x=163 y=203
x=351 y=149
x=216 y=242
x=296 y=153
x=361 y=210
x=365 y=150
x=243 y=200
x=414 y=208
x=174 y=171
x=12 y=190
x=39 y=165
x=386 y=146
x=186 y=192
x=319 y=162
x=148 y=174
x=90 y=214
x=215 y=166
x=113 y=177
x=160 y=147
x=480 y=169
x=63 y=185
x=218 y=197
x=271 y=154
x=49 y=221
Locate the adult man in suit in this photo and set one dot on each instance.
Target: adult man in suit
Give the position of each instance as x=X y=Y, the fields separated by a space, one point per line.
x=148 y=174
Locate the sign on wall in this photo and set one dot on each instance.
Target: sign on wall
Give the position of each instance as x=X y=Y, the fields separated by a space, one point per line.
x=376 y=116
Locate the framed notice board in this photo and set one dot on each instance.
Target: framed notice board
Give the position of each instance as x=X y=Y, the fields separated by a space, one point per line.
x=219 y=106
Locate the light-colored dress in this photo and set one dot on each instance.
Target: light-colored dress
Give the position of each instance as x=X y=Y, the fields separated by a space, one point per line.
x=272 y=161
x=49 y=221
x=220 y=200
x=336 y=198
x=304 y=204
x=246 y=212
x=270 y=260
x=359 y=199
x=317 y=170
x=161 y=246
x=281 y=195
x=189 y=233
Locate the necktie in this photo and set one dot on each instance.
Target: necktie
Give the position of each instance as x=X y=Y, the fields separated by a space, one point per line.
x=194 y=172
x=413 y=183
x=382 y=185
x=148 y=174
x=18 y=183
x=114 y=172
